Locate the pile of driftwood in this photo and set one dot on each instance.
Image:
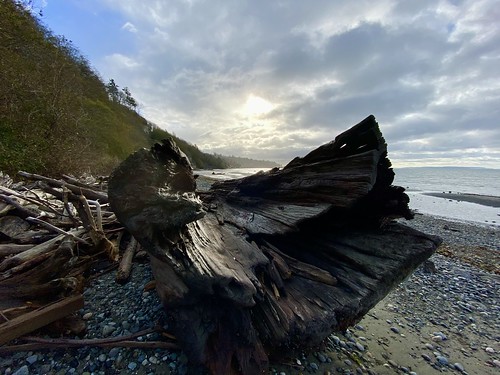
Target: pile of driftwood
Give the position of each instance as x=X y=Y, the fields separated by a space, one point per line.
x=55 y=235
x=273 y=261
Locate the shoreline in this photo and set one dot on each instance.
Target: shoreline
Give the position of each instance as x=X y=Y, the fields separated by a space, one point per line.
x=401 y=333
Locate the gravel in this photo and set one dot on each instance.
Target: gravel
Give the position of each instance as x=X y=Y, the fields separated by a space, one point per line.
x=461 y=300
x=110 y=310
x=458 y=233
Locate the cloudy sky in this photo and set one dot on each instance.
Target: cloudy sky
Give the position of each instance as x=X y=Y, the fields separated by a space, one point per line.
x=274 y=79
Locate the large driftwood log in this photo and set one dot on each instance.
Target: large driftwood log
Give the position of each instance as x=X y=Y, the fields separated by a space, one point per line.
x=275 y=260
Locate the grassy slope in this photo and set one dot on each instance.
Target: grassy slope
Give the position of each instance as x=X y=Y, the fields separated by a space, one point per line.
x=55 y=114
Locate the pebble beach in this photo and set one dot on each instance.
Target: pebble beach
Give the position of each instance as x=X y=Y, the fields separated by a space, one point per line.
x=444 y=318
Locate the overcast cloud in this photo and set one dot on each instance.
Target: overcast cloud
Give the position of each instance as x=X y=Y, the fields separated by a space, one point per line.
x=273 y=79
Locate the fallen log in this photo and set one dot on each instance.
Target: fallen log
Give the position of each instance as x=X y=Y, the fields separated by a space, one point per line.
x=36 y=251
x=125 y=267
x=12 y=249
x=41 y=317
x=78 y=190
x=272 y=261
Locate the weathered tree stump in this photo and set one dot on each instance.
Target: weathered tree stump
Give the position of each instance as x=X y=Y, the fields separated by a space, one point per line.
x=275 y=260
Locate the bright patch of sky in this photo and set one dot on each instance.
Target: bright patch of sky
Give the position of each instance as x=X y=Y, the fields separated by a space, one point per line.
x=274 y=79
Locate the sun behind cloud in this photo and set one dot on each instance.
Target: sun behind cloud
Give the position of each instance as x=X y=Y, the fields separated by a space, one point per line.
x=256 y=106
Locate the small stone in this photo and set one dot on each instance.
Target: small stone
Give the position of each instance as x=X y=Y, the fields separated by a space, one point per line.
x=108 y=330
x=153 y=360
x=102 y=357
x=395 y=329
x=119 y=360
x=314 y=366
x=392 y=363
x=145 y=362
x=459 y=366
x=347 y=362
x=32 y=359
x=335 y=340
x=496 y=362
x=442 y=360
x=443 y=336
x=490 y=350
x=113 y=353
x=45 y=368
x=360 y=347
x=321 y=357
x=22 y=371
x=87 y=316
x=132 y=366
x=426 y=357
x=429 y=346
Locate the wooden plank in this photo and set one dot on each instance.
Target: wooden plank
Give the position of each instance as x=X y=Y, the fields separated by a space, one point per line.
x=39 y=318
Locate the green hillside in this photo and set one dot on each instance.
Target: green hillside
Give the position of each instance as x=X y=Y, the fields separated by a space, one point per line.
x=56 y=114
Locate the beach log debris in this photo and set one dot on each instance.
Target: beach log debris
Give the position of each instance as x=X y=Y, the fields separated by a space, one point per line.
x=52 y=240
x=273 y=261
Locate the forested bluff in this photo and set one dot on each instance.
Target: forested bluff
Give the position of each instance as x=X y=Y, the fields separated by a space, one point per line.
x=57 y=115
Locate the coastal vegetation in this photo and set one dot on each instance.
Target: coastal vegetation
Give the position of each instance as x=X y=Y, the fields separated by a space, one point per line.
x=56 y=113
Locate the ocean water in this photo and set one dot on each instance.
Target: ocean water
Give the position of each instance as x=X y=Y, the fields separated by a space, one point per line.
x=228 y=174
x=418 y=181
x=480 y=181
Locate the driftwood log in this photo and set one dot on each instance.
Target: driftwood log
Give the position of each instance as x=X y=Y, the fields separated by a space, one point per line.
x=52 y=240
x=272 y=261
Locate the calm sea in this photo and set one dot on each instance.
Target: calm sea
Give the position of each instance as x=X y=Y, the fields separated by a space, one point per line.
x=445 y=179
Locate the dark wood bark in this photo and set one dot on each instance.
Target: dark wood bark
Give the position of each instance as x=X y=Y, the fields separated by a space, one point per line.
x=274 y=260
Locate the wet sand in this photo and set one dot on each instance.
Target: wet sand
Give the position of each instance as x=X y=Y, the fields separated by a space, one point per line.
x=485 y=200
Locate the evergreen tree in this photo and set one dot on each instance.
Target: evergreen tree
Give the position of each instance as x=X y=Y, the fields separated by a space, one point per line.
x=129 y=101
x=113 y=92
